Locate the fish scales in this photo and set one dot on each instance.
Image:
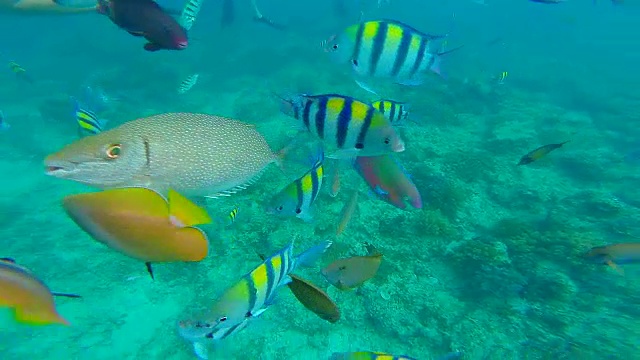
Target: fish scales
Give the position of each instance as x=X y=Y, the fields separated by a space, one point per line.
x=195 y=154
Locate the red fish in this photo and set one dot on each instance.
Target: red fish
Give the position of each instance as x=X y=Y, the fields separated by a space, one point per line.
x=147 y=19
x=388 y=180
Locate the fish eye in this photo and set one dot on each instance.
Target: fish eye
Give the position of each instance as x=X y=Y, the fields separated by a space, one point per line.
x=387 y=141
x=355 y=62
x=335 y=47
x=279 y=208
x=113 y=151
x=298 y=211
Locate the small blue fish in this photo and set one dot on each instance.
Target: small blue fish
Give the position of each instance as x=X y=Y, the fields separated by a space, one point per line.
x=3 y=124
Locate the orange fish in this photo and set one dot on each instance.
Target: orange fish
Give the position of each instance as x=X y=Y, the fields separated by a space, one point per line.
x=30 y=299
x=142 y=224
x=352 y=272
x=347 y=212
x=615 y=254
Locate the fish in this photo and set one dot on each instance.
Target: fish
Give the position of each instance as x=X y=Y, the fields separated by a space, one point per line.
x=188 y=83
x=230 y=218
x=615 y=254
x=386 y=49
x=20 y=72
x=228 y=13
x=260 y=18
x=503 y=75
x=388 y=180
x=539 y=153
x=249 y=297
x=349 y=273
x=368 y=355
x=194 y=154
x=87 y=120
x=145 y=18
x=3 y=123
x=335 y=180
x=347 y=211
x=394 y=111
x=346 y=126
x=190 y=13
x=313 y=298
x=49 y=7
x=142 y=224
x=29 y=298
x=297 y=197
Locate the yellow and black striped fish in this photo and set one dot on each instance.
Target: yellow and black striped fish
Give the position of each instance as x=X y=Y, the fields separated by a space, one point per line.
x=539 y=153
x=190 y=13
x=88 y=122
x=386 y=49
x=297 y=197
x=250 y=296
x=188 y=83
x=349 y=126
x=395 y=112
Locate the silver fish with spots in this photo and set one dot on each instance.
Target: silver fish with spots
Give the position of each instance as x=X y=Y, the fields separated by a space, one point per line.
x=194 y=154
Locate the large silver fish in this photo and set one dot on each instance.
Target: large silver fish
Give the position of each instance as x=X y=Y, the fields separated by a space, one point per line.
x=194 y=154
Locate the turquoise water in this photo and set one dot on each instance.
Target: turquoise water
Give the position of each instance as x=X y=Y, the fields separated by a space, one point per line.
x=492 y=265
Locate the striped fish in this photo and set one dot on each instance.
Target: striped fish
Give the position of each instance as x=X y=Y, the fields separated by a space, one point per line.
x=297 y=197
x=190 y=13
x=88 y=122
x=188 y=83
x=248 y=298
x=395 y=112
x=351 y=127
x=386 y=49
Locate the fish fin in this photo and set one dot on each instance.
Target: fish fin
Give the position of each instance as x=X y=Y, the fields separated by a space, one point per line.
x=183 y=212
x=366 y=87
x=306 y=216
x=286 y=280
x=311 y=255
x=414 y=81
x=73 y=296
x=136 y=33
x=9 y=260
x=152 y=47
x=615 y=267
x=201 y=350
x=234 y=190
x=150 y=270
x=261 y=311
x=31 y=316
x=371 y=250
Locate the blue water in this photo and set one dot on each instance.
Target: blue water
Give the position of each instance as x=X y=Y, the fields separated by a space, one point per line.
x=492 y=265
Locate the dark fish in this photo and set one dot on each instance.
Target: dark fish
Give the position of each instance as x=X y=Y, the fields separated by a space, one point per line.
x=540 y=152
x=314 y=299
x=228 y=13
x=352 y=272
x=147 y=19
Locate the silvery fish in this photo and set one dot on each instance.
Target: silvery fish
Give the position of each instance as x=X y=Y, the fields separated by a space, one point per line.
x=194 y=154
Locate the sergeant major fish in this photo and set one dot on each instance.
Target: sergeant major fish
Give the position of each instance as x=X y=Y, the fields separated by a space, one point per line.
x=346 y=126
x=394 y=111
x=386 y=49
x=248 y=298
x=194 y=154
x=297 y=197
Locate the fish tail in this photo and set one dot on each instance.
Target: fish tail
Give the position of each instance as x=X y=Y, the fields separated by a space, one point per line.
x=39 y=317
x=184 y=212
x=73 y=296
x=313 y=254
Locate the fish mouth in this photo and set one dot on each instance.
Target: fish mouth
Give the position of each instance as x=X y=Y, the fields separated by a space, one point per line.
x=399 y=147
x=182 y=45
x=59 y=169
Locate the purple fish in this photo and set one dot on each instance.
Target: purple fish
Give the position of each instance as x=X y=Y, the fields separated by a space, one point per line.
x=146 y=18
x=388 y=180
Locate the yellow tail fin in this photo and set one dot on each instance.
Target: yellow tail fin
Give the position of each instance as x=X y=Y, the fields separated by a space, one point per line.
x=184 y=212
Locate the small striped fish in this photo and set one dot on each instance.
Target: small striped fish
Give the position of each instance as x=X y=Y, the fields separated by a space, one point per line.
x=88 y=122
x=351 y=127
x=393 y=111
x=249 y=297
x=385 y=49
x=296 y=199
x=189 y=13
x=188 y=83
